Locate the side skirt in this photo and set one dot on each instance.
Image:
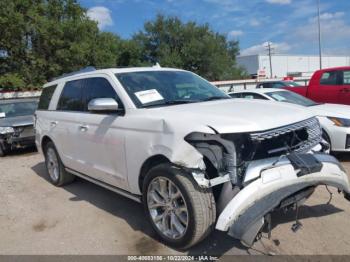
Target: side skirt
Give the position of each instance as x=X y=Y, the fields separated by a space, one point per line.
x=117 y=190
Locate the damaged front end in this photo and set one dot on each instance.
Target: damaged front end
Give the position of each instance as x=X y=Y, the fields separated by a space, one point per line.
x=257 y=173
x=16 y=137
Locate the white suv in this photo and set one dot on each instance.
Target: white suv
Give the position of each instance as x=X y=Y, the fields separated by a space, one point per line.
x=195 y=158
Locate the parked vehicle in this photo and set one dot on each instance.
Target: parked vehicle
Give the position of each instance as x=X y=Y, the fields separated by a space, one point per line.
x=277 y=84
x=331 y=85
x=334 y=119
x=16 y=124
x=195 y=158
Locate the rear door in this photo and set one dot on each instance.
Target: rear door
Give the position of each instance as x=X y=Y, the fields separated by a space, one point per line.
x=64 y=123
x=42 y=116
x=344 y=92
x=328 y=89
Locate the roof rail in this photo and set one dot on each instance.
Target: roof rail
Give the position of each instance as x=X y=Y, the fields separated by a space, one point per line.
x=83 y=70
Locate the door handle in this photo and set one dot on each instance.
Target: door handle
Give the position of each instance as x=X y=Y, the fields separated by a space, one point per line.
x=345 y=90
x=53 y=123
x=83 y=128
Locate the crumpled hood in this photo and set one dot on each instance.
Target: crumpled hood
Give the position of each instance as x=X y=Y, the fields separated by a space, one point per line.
x=17 y=121
x=232 y=115
x=334 y=110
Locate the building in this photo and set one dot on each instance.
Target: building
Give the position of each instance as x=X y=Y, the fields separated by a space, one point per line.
x=289 y=65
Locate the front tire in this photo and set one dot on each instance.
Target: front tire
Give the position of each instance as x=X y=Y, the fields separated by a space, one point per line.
x=55 y=168
x=181 y=213
x=2 y=151
x=326 y=137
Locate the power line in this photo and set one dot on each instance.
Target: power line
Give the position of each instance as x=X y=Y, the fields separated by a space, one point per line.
x=270 y=51
x=319 y=32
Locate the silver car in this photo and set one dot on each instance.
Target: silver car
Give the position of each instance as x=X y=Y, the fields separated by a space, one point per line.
x=16 y=124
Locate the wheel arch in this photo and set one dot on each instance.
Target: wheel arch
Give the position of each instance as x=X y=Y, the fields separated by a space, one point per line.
x=326 y=134
x=44 y=142
x=150 y=163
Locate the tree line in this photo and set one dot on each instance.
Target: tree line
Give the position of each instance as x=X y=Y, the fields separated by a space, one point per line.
x=43 y=39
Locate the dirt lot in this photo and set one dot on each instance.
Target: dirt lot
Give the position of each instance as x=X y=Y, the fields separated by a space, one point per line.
x=82 y=218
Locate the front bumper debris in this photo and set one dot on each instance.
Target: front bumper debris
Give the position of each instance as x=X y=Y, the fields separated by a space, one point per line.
x=269 y=183
x=11 y=142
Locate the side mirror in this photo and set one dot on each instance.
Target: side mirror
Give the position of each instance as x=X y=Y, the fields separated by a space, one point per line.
x=103 y=105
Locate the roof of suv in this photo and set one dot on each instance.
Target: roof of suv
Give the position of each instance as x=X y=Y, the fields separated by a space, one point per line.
x=113 y=71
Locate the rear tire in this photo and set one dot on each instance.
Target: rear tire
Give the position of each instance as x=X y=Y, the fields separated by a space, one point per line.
x=55 y=168
x=181 y=213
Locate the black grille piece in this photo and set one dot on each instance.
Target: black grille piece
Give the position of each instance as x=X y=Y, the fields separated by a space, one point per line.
x=300 y=137
x=347 y=142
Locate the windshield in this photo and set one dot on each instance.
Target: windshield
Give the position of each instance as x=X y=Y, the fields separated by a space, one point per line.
x=162 y=88
x=290 y=97
x=17 y=109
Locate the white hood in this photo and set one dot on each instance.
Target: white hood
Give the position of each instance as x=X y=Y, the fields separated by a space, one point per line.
x=232 y=115
x=342 y=111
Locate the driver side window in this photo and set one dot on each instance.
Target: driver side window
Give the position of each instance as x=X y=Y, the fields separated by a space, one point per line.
x=99 y=87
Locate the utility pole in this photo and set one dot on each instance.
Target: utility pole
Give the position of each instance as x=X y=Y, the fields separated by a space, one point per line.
x=270 y=49
x=319 y=33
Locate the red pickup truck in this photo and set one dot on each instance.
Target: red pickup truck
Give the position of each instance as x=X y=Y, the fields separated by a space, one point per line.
x=330 y=85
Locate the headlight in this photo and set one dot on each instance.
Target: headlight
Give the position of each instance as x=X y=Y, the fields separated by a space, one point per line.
x=6 y=130
x=343 y=122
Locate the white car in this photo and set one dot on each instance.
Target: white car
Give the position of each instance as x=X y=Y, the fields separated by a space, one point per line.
x=334 y=119
x=195 y=158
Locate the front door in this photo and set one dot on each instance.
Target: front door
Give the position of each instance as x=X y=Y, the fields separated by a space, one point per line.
x=102 y=138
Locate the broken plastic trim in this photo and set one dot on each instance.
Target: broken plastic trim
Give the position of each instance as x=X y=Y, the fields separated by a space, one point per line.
x=203 y=182
x=243 y=216
x=220 y=152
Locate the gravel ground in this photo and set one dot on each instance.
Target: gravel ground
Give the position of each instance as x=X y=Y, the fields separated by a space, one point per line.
x=82 y=218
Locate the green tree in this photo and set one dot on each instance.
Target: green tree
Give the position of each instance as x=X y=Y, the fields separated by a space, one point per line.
x=63 y=39
x=131 y=54
x=107 y=50
x=43 y=39
x=190 y=46
x=11 y=81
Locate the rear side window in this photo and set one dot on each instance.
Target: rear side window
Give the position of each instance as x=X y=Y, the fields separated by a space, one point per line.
x=277 y=85
x=253 y=96
x=45 y=97
x=329 y=78
x=235 y=95
x=266 y=85
x=72 y=97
